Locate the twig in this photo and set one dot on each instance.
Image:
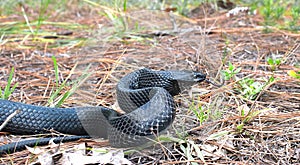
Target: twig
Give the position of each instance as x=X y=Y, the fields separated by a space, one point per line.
x=8 y=119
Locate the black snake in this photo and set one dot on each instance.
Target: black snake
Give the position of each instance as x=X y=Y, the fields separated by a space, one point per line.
x=145 y=95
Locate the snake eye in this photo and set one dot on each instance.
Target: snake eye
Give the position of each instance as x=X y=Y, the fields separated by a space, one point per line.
x=198 y=77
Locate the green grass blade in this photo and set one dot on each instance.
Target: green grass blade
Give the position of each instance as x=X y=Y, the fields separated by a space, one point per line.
x=55 y=70
x=8 y=90
x=125 y=5
x=54 y=95
x=63 y=98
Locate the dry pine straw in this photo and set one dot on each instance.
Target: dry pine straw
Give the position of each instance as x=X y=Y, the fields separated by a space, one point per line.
x=269 y=137
x=272 y=136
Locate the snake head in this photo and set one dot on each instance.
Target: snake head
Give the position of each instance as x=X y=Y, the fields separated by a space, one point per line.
x=199 y=77
x=188 y=76
x=182 y=80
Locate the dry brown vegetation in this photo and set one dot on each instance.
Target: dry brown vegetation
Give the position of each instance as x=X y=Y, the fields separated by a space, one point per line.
x=267 y=133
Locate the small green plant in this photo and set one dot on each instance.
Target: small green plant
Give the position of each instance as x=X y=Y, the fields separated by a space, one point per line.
x=272 y=11
x=274 y=63
x=8 y=90
x=200 y=113
x=251 y=88
x=282 y=14
x=230 y=72
x=248 y=117
x=295 y=13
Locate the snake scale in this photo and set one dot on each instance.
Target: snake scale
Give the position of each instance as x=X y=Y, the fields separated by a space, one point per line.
x=145 y=95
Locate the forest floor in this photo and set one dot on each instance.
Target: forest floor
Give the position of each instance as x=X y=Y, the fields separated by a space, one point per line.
x=254 y=118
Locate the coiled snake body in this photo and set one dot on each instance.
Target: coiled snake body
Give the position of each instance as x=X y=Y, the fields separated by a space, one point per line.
x=145 y=95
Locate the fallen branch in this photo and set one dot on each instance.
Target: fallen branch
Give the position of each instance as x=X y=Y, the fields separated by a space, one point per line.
x=8 y=119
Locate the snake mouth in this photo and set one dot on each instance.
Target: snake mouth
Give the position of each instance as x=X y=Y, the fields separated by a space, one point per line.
x=198 y=77
x=215 y=84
